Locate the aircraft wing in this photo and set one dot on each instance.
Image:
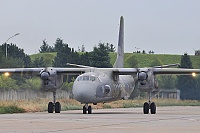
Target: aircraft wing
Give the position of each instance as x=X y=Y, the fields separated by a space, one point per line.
x=71 y=71
x=31 y=71
x=37 y=71
x=178 y=71
x=116 y=71
x=125 y=71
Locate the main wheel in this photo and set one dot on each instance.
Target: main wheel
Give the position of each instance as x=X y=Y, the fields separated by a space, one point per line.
x=89 y=110
x=84 y=110
x=57 y=107
x=146 y=108
x=153 y=108
x=50 y=107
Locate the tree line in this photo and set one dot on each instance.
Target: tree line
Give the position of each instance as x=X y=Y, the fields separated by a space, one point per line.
x=99 y=57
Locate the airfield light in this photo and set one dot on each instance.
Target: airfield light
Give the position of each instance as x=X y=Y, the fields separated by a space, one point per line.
x=7 y=74
x=194 y=74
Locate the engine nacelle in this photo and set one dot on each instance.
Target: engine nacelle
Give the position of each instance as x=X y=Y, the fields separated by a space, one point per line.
x=50 y=80
x=142 y=76
x=146 y=81
x=44 y=75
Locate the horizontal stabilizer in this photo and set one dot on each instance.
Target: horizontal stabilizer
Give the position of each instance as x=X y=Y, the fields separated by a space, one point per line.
x=69 y=64
x=169 y=65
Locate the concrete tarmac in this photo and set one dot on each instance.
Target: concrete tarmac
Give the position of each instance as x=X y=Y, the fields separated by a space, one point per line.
x=124 y=120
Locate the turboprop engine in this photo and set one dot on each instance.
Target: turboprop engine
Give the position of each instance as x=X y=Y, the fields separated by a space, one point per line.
x=50 y=79
x=146 y=81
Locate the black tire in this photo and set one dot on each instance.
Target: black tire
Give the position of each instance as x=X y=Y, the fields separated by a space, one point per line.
x=89 y=110
x=84 y=110
x=57 y=107
x=153 y=108
x=146 y=108
x=50 y=107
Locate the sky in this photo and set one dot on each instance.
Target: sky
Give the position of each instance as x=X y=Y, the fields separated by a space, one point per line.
x=164 y=26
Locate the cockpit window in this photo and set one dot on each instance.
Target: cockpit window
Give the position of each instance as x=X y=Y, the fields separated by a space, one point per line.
x=86 y=78
x=79 y=78
x=92 y=78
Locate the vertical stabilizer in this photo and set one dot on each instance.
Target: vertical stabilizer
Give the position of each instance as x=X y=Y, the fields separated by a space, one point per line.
x=119 y=63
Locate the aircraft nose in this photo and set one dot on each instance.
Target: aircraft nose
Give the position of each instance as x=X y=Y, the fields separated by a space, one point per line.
x=84 y=92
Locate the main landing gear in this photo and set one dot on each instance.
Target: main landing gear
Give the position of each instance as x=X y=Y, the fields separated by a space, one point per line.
x=149 y=106
x=86 y=109
x=54 y=105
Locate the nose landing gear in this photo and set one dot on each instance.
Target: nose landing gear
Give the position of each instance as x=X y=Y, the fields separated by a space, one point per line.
x=86 y=109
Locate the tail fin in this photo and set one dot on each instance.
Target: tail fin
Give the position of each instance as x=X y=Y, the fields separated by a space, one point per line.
x=119 y=63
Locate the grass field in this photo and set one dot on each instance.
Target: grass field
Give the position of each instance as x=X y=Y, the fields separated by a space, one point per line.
x=48 y=57
x=144 y=60
x=40 y=105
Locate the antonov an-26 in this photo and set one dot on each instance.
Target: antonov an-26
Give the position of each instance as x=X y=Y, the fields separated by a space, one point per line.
x=101 y=85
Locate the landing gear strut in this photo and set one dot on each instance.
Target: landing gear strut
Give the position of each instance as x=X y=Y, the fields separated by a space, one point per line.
x=54 y=105
x=86 y=109
x=150 y=105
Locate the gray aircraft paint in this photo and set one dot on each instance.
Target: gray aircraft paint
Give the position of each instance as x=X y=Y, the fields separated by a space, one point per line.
x=104 y=88
x=119 y=63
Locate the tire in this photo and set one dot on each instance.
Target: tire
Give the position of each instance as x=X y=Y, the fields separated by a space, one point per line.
x=50 y=107
x=57 y=107
x=89 y=110
x=146 y=108
x=84 y=110
x=153 y=108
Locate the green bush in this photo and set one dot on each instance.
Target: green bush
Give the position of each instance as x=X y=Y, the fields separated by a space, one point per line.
x=7 y=83
x=10 y=109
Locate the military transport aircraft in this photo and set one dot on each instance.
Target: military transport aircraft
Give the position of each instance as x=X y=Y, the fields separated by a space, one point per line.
x=101 y=85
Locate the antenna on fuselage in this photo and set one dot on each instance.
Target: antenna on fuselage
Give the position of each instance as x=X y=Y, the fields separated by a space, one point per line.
x=119 y=63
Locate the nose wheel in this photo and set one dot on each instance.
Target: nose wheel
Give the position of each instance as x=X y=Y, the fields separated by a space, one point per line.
x=149 y=106
x=86 y=109
x=54 y=106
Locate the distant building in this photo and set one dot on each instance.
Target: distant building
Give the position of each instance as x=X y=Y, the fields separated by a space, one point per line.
x=167 y=93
